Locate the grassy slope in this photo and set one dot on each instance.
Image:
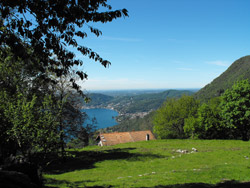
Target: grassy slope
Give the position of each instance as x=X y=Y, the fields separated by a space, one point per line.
x=154 y=164
x=239 y=70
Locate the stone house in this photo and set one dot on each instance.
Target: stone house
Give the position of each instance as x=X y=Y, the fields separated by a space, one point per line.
x=109 y=139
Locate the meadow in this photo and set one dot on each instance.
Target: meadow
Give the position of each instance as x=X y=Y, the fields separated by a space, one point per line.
x=159 y=163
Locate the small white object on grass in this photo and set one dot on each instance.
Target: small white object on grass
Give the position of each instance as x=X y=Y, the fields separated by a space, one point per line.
x=194 y=149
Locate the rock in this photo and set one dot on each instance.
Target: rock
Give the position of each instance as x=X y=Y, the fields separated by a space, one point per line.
x=194 y=149
x=182 y=151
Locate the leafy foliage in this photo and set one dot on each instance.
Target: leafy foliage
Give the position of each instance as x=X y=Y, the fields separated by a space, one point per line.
x=71 y=117
x=208 y=123
x=28 y=114
x=38 y=40
x=34 y=128
x=169 y=119
x=236 y=108
x=86 y=136
x=224 y=117
x=55 y=26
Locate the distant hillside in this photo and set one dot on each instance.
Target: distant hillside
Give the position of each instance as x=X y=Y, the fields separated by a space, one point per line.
x=147 y=102
x=135 y=103
x=128 y=92
x=141 y=103
x=239 y=70
x=136 y=124
x=99 y=99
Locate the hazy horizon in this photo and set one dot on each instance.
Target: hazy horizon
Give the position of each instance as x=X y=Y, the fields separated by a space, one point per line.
x=168 y=44
x=160 y=89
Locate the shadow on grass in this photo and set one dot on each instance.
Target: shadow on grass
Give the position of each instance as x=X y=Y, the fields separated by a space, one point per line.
x=87 y=159
x=227 y=184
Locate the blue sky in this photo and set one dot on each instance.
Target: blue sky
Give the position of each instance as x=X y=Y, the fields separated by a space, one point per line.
x=168 y=44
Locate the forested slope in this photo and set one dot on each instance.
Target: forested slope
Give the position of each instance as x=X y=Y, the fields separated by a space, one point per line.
x=136 y=124
x=239 y=70
x=135 y=103
x=143 y=103
x=99 y=99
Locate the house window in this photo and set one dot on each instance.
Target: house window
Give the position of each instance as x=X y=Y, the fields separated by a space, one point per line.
x=147 y=137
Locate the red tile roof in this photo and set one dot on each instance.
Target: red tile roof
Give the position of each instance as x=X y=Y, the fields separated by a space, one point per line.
x=109 y=139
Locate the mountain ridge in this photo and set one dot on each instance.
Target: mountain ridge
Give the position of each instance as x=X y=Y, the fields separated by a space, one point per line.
x=135 y=103
x=238 y=70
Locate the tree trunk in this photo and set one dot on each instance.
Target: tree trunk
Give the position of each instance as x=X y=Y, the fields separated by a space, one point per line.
x=245 y=137
x=61 y=132
x=62 y=142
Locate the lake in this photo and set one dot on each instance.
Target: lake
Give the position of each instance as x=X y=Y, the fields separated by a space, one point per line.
x=105 y=117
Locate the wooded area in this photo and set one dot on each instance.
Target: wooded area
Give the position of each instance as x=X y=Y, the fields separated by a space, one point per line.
x=41 y=99
x=224 y=117
x=39 y=106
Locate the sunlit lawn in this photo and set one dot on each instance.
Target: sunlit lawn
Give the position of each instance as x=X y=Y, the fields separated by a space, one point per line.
x=154 y=163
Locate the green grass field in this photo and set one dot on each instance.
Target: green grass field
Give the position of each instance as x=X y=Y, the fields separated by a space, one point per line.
x=156 y=164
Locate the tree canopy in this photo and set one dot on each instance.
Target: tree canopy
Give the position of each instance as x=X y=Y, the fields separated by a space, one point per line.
x=44 y=29
x=169 y=119
x=224 y=117
x=39 y=110
x=208 y=122
x=236 y=108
